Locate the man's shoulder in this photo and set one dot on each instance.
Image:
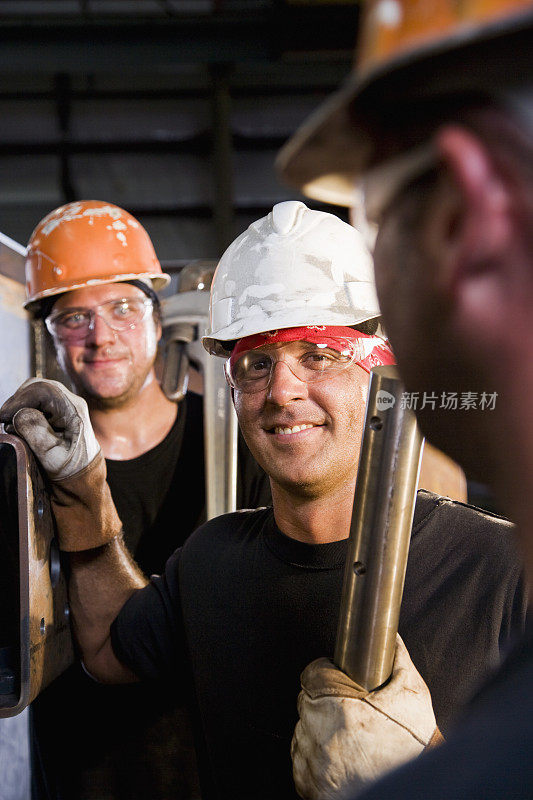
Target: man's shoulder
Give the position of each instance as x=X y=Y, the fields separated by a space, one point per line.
x=430 y=506
x=466 y=527
x=194 y=403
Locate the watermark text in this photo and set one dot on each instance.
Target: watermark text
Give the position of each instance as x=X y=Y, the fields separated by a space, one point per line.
x=449 y=401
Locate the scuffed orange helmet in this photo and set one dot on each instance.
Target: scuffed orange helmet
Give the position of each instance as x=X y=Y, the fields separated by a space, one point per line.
x=87 y=243
x=409 y=51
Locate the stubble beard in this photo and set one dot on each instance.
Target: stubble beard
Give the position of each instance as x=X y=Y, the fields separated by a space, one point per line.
x=100 y=402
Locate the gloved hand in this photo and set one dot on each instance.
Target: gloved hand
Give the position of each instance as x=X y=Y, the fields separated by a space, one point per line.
x=347 y=737
x=55 y=424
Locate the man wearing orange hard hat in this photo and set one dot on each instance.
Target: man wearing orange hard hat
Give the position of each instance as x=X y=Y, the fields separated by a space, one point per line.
x=432 y=138
x=92 y=276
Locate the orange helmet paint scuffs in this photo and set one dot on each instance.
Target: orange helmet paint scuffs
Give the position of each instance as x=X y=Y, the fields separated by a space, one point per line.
x=87 y=243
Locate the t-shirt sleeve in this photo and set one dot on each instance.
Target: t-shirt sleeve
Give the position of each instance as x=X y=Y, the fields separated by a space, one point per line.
x=147 y=635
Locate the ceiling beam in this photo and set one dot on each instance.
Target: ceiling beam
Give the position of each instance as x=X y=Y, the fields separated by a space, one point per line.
x=126 y=45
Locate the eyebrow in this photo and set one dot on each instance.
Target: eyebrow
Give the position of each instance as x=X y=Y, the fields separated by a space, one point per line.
x=303 y=344
x=90 y=308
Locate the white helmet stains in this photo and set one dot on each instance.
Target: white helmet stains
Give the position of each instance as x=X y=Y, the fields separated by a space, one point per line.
x=291 y=268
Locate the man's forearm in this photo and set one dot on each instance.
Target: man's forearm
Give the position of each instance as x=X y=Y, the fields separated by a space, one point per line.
x=55 y=423
x=101 y=581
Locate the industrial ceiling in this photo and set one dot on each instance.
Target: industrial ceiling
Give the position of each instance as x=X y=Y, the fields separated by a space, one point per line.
x=174 y=109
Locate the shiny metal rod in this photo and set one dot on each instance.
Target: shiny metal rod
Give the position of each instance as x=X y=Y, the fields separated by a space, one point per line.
x=380 y=533
x=185 y=318
x=220 y=433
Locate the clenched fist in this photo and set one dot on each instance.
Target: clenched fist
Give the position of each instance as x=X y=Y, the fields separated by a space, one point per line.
x=56 y=426
x=55 y=423
x=347 y=737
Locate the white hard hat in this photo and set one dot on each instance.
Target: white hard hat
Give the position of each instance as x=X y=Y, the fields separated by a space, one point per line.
x=291 y=268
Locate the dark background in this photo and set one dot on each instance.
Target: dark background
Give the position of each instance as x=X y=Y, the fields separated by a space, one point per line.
x=172 y=109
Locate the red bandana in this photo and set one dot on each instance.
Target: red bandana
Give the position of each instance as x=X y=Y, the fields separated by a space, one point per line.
x=373 y=350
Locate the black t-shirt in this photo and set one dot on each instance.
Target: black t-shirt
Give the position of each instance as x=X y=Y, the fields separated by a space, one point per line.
x=160 y=496
x=133 y=742
x=489 y=754
x=248 y=607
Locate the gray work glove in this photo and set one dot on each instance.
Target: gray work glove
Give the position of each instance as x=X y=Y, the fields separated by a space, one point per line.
x=56 y=426
x=346 y=737
x=55 y=423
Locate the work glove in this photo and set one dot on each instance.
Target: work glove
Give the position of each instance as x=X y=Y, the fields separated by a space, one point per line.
x=346 y=737
x=55 y=423
x=56 y=426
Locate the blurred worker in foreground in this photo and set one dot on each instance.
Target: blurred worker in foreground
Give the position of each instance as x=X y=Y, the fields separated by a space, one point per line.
x=92 y=277
x=435 y=131
x=253 y=596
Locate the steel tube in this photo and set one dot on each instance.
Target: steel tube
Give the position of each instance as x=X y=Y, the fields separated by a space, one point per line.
x=380 y=533
x=185 y=316
x=220 y=431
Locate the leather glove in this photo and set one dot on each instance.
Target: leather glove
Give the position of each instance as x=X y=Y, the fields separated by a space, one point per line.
x=347 y=737
x=55 y=423
x=56 y=426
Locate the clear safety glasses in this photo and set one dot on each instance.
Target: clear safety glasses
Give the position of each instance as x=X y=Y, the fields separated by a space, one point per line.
x=74 y=324
x=252 y=372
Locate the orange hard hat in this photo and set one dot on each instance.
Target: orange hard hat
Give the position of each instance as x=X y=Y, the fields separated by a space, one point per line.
x=86 y=243
x=409 y=51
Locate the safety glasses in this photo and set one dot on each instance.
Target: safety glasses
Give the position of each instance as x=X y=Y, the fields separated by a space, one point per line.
x=74 y=324
x=253 y=370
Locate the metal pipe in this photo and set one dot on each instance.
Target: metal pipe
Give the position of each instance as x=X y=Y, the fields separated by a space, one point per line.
x=185 y=316
x=380 y=533
x=220 y=430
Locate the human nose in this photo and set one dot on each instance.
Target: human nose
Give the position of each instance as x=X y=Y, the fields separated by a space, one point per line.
x=284 y=385
x=100 y=332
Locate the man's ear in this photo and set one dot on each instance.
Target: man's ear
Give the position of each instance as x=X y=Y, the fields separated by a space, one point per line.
x=471 y=227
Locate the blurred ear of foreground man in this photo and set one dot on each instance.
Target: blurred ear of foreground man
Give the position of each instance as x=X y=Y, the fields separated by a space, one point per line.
x=252 y=597
x=434 y=131
x=92 y=277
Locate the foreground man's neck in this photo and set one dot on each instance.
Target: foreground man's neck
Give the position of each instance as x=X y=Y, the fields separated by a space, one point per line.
x=127 y=431
x=314 y=520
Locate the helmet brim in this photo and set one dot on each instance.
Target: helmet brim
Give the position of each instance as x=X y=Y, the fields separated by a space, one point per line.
x=158 y=281
x=351 y=131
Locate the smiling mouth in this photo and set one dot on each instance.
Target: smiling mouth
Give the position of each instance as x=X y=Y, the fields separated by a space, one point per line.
x=104 y=359
x=103 y=362
x=294 y=429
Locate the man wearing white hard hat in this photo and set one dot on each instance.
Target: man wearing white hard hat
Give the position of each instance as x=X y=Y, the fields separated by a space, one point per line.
x=253 y=597
x=92 y=275
x=434 y=132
